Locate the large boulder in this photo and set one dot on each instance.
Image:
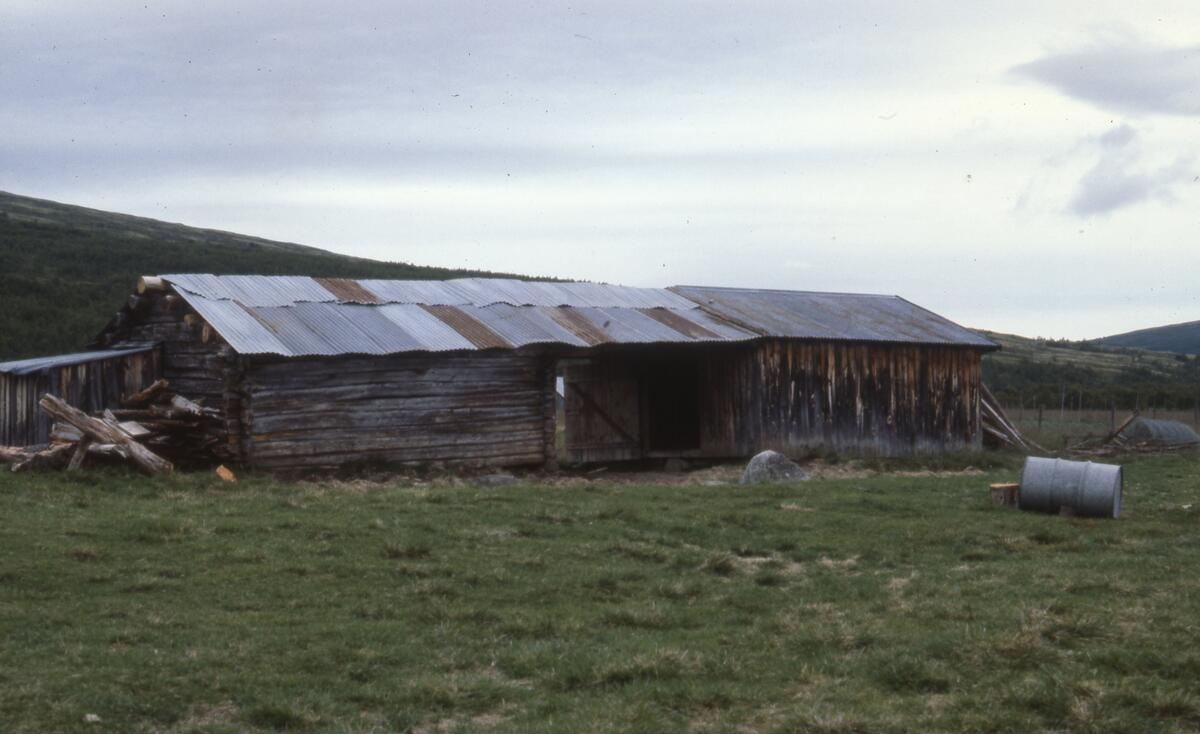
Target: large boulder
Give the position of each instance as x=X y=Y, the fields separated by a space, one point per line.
x=772 y=466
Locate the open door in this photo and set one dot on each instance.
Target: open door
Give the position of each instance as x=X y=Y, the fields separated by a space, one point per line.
x=672 y=405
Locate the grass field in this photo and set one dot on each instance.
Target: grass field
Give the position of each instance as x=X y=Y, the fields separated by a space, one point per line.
x=871 y=603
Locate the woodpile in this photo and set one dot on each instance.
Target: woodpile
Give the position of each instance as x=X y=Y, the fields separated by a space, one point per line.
x=152 y=430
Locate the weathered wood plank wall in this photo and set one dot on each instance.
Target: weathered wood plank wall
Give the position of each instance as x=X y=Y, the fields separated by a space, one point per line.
x=871 y=399
x=790 y=396
x=91 y=386
x=491 y=408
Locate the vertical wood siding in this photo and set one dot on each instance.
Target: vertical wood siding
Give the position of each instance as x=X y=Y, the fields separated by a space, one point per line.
x=490 y=408
x=860 y=398
x=789 y=396
x=91 y=386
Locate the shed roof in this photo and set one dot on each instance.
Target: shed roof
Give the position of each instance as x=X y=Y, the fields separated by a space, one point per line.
x=39 y=364
x=300 y=316
x=841 y=316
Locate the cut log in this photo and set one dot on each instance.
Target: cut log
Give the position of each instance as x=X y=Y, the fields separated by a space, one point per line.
x=81 y=451
x=146 y=396
x=100 y=431
x=150 y=283
x=185 y=406
x=13 y=454
x=108 y=450
x=50 y=458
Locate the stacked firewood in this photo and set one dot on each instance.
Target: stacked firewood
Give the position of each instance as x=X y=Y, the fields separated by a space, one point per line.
x=152 y=430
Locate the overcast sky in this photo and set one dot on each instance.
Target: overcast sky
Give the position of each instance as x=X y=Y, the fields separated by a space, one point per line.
x=1025 y=167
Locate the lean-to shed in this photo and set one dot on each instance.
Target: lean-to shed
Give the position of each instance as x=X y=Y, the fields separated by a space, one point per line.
x=318 y=372
x=91 y=381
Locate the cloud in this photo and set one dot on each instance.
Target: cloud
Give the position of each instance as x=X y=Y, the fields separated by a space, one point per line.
x=1120 y=179
x=1118 y=137
x=1125 y=76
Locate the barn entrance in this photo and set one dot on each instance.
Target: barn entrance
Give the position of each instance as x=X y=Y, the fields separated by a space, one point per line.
x=672 y=405
x=625 y=406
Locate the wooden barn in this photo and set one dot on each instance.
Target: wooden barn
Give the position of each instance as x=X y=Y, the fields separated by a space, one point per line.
x=312 y=373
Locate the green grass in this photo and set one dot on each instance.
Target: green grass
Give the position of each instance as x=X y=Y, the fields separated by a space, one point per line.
x=885 y=604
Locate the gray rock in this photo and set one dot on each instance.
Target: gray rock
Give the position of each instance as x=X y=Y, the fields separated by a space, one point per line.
x=494 y=480
x=675 y=465
x=772 y=466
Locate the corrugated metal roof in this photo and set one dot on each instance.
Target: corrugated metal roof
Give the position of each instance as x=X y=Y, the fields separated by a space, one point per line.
x=284 y=290
x=39 y=364
x=296 y=316
x=841 y=316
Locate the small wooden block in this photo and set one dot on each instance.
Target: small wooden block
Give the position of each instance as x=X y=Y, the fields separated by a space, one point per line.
x=1006 y=495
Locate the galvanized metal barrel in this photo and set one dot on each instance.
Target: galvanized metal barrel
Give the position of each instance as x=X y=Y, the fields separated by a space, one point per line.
x=1085 y=488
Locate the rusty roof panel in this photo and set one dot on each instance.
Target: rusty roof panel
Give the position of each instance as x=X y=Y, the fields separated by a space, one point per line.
x=522 y=325
x=838 y=316
x=348 y=291
x=677 y=322
x=576 y=323
x=472 y=328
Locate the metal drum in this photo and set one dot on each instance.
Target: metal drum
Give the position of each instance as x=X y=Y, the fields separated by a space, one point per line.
x=1085 y=488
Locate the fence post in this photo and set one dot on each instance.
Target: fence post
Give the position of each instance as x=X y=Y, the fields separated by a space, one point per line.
x=1039 y=416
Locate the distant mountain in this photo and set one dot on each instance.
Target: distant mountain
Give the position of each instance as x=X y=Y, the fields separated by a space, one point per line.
x=64 y=270
x=1178 y=338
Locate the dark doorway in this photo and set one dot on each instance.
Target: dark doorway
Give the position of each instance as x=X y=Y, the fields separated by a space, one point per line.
x=672 y=400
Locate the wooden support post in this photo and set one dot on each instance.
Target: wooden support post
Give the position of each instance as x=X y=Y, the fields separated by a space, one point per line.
x=1039 y=416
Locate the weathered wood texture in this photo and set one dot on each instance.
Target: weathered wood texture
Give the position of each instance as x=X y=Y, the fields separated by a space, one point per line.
x=194 y=368
x=790 y=396
x=91 y=387
x=204 y=370
x=478 y=409
x=601 y=408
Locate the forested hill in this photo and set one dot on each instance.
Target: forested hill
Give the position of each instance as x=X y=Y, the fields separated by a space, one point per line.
x=1043 y=371
x=1179 y=338
x=64 y=270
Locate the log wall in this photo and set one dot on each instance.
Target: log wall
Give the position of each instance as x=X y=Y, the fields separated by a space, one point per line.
x=491 y=408
x=194 y=368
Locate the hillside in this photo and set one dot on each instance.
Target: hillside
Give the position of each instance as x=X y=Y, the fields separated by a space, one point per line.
x=66 y=269
x=1037 y=370
x=1178 y=338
